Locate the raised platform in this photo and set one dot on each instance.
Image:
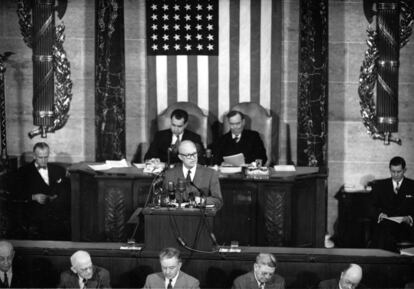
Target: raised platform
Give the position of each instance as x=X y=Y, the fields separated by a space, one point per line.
x=301 y=267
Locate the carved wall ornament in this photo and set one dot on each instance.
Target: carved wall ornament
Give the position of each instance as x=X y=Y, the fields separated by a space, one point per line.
x=369 y=73
x=60 y=93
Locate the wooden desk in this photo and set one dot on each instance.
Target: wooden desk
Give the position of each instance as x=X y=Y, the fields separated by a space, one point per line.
x=289 y=209
x=42 y=261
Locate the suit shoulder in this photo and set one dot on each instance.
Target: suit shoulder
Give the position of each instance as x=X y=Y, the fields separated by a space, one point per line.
x=189 y=278
x=331 y=283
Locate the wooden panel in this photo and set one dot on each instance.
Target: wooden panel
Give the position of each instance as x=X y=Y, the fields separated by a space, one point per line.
x=236 y=221
x=281 y=211
x=301 y=267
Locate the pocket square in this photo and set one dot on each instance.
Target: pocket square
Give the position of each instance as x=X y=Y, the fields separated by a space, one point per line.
x=59 y=181
x=409 y=196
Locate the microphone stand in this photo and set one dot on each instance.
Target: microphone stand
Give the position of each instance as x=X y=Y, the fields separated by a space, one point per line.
x=202 y=208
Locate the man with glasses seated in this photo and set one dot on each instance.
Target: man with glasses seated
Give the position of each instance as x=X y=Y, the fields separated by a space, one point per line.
x=196 y=181
x=83 y=274
x=263 y=275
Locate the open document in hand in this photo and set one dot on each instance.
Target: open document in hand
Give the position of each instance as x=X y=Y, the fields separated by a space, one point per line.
x=234 y=160
x=109 y=165
x=395 y=219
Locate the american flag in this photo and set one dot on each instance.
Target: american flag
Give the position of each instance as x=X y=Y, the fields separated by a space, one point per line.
x=182 y=27
x=247 y=67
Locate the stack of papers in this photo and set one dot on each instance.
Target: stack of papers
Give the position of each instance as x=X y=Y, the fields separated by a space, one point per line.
x=234 y=160
x=109 y=165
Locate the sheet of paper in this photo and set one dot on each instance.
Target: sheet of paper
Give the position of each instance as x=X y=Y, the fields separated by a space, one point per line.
x=117 y=164
x=100 y=167
x=395 y=219
x=284 y=168
x=234 y=160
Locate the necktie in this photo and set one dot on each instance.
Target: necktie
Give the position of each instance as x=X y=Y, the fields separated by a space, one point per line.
x=397 y=187
x=237 y=138
x=169 y=284
x=188 y=177
x=84 y=282
x=6 y=280
x=262 y=285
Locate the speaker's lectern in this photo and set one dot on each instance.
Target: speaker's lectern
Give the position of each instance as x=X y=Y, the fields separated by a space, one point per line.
x=170 y=227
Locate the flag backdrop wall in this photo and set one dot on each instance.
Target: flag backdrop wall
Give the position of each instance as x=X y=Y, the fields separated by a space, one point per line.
x=215 y=53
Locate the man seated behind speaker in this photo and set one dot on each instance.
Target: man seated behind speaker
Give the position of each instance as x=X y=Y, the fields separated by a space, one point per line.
x=171 y=275
x=83 y=274
x=263 y=275
x=165 y=143
x=196 y=180
x=350 y=279
x=239 y=140
x=393 y=197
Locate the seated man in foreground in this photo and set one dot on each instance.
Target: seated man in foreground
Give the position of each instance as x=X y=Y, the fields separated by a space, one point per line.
x=165 y=143
x=263 y=275
x=83 y=274
x=199 y=181
x=350 y=279
x=171 y=275
x=393 y=201
x=239 y=140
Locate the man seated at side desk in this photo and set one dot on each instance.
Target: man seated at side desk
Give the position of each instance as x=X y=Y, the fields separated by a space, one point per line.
x=197 y=181
x=165 y=143
x=393 y=202
x=239 y=140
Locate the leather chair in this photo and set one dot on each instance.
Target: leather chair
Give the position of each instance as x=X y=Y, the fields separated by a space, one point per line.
x=197 y=119
x=257 y=118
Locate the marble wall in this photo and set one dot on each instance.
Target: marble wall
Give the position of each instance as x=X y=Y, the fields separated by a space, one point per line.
x=353 y=157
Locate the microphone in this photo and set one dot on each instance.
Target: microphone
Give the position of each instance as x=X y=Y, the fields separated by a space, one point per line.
x=169 y=153
x=171 y=191
x=181 y=190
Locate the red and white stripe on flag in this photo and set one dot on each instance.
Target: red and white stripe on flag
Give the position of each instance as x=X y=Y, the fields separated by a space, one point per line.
x=243 y=70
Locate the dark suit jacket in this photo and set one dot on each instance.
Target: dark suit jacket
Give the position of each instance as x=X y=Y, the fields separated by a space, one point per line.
x=185 y=281
x=49 y=217
x=248 y=281
x=334 y=284
x=162 y=141
x=18 y=280
x=385 y=200
x=205 y=179
x=250 y=144
x=100 y=279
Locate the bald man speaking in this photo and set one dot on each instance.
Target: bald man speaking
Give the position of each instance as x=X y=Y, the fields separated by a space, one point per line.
x=196 y=180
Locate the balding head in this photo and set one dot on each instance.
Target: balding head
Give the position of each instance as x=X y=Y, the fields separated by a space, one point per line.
x=187 y=153
x=6 y=255
x=82 y=264
x=351 y=277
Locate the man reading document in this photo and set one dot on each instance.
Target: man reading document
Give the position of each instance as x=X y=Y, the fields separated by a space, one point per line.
x=239 y=141
x=197 y=182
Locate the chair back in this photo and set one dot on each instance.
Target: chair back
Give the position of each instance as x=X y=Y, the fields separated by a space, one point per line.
x=256 y=118
x=197 y=119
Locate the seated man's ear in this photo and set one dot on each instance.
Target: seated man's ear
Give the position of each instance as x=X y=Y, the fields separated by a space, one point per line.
x=73 y=270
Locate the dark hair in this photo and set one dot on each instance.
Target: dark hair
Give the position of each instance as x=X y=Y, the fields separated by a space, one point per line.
x=40 y=145
x=396 y=161
x=169 y=253
x=266 y=259
x=180 y=114
x=232 y=113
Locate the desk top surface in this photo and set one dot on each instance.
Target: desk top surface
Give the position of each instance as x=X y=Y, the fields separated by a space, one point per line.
x=133 y=172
